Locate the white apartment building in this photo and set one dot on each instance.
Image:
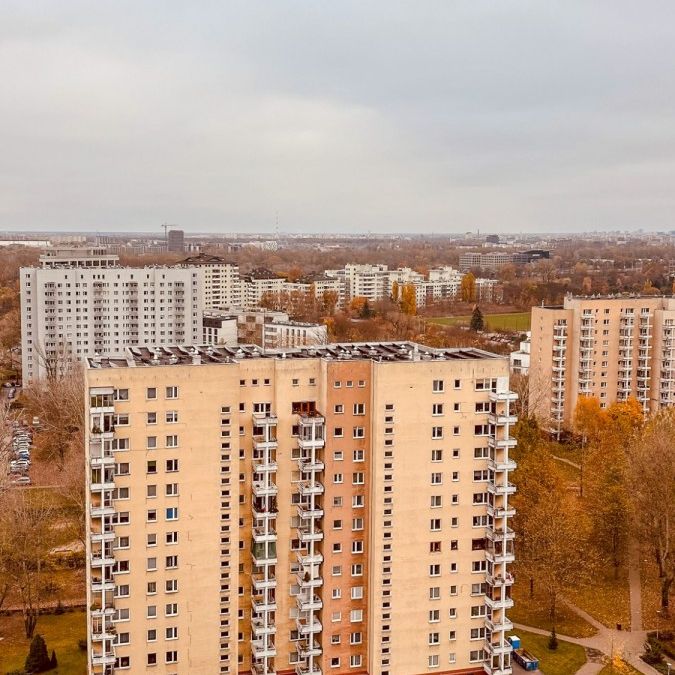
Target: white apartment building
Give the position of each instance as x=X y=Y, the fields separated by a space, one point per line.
x=78 y=256
x=259 y=282
x=220 y=280
x=77 y=305
x=520 y=359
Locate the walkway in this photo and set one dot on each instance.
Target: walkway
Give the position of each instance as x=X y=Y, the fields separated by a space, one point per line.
x=628 y=643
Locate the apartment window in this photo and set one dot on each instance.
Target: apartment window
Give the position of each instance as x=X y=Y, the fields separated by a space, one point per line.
x=357 y=570
x=337 y=478
x=436 y=455
x=151 y=393
x=434 y=615
x=436 y=432
x=171 y=633
x=437 y=409
x=171 y=609
x=171 y=416
x=433 y=661
x=356 y=615
x=358 y=501
x=152 y=418
x=172 y=441
x=358 y=455
x=435 y=570
x=357 y=546
x=171 y=562
x=171 y=537
x=359 y=408
x=436 y=478
x=339 y=409
x=434 y=638
x=358 y=478
x=152 y=637
x=359 y=432
x=171 y=489
x=172 y=392
x=357 y=592
x=438 y=386
x=436 y=501
x=151 y=564
x=172 y=656
x=434 y=547
x=338 y=432
x=171 y=465
x=172 y=513
x=171 y=586
x=435 y=524
x=357 y=524
x=151 y=442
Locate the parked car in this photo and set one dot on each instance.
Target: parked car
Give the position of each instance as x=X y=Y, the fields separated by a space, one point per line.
x=21 y=480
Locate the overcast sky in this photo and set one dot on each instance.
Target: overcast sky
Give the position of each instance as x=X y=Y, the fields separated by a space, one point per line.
x=443 y=116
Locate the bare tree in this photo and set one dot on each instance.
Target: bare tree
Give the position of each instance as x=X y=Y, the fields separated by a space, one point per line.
x=26 y=536
x=653 y=490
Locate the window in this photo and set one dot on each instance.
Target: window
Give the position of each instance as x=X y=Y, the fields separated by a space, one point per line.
x=355 y=660
x=438 y=386
x=358 y=478
x=435 y=570
x=436 y=455
x=151 y=442
x=358 y=455
x=434 y=638
x=152 y=418
x=436 y=432
x=171 y=586
x=171 y=489
x=172 y=633
x=434 y=547
x=436 y=501
x=359 y=408
x=435 y=524
x=434 y=615
x=172 y=513
x=171 y=465
x=171 y=562
x=172 y=392
x=437 y=409
x=171 y=416
x=172 y=656
x=172 y=441
x=356 y=615
x=339 y=409
x=338 y=432
x=436 y=478
x=171 y=609
x=151 y=393
x=359 y=432
x=433 y=660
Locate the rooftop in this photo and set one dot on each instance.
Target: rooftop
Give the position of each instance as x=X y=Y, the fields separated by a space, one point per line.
x=205 y=259
x=201 y=354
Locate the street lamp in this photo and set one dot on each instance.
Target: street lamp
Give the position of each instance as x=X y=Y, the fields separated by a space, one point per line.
x=669 y=667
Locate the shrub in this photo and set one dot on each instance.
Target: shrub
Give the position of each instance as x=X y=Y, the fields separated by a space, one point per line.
x=37 y=660
x=53 y=663
x=82 y=644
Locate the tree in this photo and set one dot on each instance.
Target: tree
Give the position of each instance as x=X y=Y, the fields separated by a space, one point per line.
x=395 y=291
x=477 y=321
x=26 y=537
x=408 y=299
x=467 y=289
x=589 y=419
x=329 y=301
x=652 y=486
x=53 y=662
x=37 y=660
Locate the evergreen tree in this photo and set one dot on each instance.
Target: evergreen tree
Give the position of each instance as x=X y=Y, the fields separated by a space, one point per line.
x=53 y=663
x=37 y=660
x=477 y=321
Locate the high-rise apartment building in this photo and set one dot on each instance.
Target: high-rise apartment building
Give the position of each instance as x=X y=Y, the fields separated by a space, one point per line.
x=341 y=509
x=220 y=280
x=608 y=347
x=79 y=303
x=175 y=241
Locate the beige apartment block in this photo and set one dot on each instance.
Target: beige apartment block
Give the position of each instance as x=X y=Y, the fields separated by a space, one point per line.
x=338 y=509
x=612 y=348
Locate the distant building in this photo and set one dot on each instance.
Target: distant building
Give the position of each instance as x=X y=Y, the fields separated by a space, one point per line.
x=525 y=257
x=520 y=360
x=176 y=241
x=221 y=282
x=93 y=257
x=495 y=260
x=266 y=328
x=258 y=282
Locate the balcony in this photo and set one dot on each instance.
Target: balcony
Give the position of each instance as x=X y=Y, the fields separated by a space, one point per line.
x=501 y=488
x=262 y=489
x=102 y=461
x=307 y=536
x=101 y=586
x=501 y=418
x=310 y=488
x=100 y=537
x=498 y=648
x=499 y=580
x=263 y=558
x=97 y=612
x=502 y=464
x=307 y=465
x=100 y=659
x=494 y=534
x=496 y=625
x=101 y=559
x=261 y=669
x=503 y=396
x=305 y=581
x=261 y=513
x=308 y=626
x=504 y=443
x=261 y=605
x=265 y=419
x=262 y=443
x=313 y=669
x=260 y=583
x=498 y=603
x=261 y=628
x=501 y=511
x=307 y=559
x=306 y=512
x=309 y=648
x=500 y=555
x=100 y=633
x=261 y=535
x=109 y=484
x=262 y=649
x=309 y=604
x=262 y=465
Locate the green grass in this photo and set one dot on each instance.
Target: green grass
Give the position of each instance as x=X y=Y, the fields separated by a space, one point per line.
x=61 y=633
x=568 y=658
x=514 y=321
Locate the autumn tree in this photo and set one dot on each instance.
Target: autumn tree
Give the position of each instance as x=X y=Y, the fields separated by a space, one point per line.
x=408 y=299
x=589 y=419
x=467 y=289
x=395 y=291
x=652 y=487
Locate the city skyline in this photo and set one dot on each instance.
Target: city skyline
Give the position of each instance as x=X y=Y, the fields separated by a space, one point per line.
x=447 y=118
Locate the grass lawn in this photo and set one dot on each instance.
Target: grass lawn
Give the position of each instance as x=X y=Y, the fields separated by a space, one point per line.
x=607 y=600
x=534 y=612
x=61 y=632
x=567 y=659
x=514 y=321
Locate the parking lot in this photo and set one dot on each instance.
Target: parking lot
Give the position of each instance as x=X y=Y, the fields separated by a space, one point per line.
x=19 y=463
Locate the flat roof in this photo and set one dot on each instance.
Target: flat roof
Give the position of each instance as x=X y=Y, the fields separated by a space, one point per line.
x=170 y=355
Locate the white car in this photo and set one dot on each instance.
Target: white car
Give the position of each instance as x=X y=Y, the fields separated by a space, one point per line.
x=21 y=480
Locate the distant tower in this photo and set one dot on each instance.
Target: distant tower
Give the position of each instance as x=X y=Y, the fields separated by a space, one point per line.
x=176 y=241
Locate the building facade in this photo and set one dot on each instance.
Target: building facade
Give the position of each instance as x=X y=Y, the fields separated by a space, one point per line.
x=611 y=348
x=75 y=308
x=220 y=280
x=342 y=509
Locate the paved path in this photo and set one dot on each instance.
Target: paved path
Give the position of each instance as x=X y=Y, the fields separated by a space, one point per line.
x=568 y=461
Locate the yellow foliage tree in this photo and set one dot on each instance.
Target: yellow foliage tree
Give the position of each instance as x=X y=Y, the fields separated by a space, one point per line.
x=408 y=300
x=467 y=288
